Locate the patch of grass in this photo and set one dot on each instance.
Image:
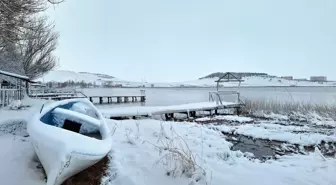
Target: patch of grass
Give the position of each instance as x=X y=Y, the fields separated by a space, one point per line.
x=278 y=107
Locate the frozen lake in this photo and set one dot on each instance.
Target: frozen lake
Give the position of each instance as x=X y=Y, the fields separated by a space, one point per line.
x=173 y=96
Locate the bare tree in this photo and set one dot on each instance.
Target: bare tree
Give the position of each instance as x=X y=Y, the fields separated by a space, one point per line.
x=25 y=37
x=18 y=16
x=37 y=51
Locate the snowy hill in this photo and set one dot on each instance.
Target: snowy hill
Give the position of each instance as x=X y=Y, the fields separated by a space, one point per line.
x=248 y=80
x=64 y=76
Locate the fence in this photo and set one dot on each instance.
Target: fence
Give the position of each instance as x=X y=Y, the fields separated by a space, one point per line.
x=9 y=95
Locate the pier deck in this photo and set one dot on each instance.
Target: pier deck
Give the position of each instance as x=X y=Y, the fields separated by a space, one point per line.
x=189 y=109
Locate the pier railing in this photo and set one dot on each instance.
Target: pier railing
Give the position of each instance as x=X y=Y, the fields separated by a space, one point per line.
x=51 y=91
x=9 y=95
x=222 y=96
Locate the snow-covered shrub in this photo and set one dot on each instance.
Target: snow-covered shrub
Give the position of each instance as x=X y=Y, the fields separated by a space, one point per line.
x=15 y=105
x=129 y=136
x=176 y=157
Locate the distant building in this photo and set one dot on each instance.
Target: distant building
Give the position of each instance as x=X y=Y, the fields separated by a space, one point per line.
x=287 y=77
x=318 y=78
x=301 y=79
x=152 y=85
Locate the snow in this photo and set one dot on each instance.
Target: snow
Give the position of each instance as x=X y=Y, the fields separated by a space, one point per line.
x=229 y=118
x=18 y=166
x=277 y=132
x=271 y=115
x=33 y=105
x=75 y=116
x=65 y=76
x=329 y=123
x=137 y=152
x=14 y=105
x=137 y=163
x=152 y=110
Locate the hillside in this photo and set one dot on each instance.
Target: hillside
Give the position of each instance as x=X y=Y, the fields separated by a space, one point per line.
x=248 y=80
x=65 y=76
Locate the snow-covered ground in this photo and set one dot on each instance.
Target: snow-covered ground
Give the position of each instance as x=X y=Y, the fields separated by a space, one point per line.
x=290 y=134
x=228 y=118
x=64 y=76
x=151 y=152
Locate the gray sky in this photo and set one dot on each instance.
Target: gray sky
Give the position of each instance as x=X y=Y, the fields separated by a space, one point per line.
x=177 y=40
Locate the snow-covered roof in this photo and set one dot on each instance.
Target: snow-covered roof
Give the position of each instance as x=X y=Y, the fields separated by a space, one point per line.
x=22 y=77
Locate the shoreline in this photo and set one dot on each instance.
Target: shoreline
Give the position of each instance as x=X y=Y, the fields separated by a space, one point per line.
x=227 y=87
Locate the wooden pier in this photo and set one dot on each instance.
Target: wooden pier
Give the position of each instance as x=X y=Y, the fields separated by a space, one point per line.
x=96 y=99
x=117 y=99
x=191 y=110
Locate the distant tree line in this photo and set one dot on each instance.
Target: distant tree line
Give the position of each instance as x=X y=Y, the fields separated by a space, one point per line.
x=26 y=37
x=71 y=83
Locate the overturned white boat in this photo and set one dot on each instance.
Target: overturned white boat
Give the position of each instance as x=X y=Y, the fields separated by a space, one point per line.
x=68 y=137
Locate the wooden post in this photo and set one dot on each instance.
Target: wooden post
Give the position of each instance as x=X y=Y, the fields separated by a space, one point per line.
x=126 y=99
x=169 y=116
x=101 y=100
x=143 y=99
x=238 y=111
x=118 y=99
x=193 y=114
x=91 y=99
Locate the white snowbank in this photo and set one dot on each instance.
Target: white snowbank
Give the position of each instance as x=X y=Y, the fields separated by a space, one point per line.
x=229 y=118
x=6 y=114
x=18 y=166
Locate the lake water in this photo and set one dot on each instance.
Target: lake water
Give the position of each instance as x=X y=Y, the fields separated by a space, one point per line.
x=173 y=96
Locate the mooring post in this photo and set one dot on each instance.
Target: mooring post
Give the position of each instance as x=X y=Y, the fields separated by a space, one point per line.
x=118 y=99
x=90 y=99
x=193 y=114
x=169 y=116
x=101 y=100
x=143 y=99
x=238 y=111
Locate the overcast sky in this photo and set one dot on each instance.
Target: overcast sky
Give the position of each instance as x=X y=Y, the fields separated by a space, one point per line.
x=178 y=40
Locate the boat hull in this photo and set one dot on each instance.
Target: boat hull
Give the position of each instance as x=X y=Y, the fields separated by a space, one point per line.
x=64 y=153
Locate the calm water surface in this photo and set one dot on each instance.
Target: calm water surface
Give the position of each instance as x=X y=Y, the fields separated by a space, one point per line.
x=173 y=96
